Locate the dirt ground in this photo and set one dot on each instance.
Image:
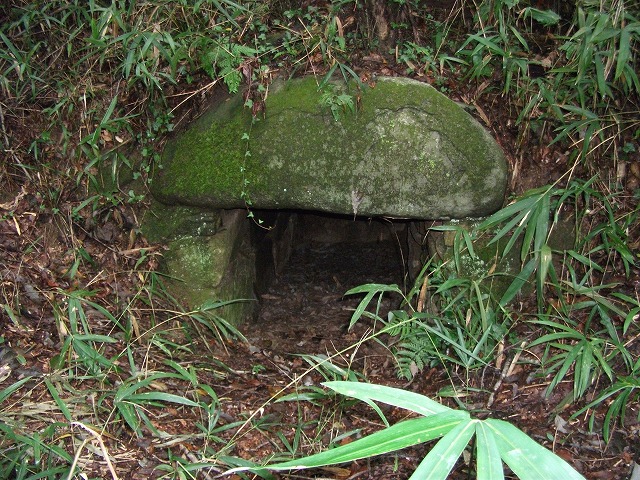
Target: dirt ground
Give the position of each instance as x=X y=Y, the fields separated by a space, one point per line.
x=306 y=312
x=303 y=318
x=49 y=249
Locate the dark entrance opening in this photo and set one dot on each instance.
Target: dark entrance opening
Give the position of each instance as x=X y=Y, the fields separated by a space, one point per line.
x=307 y=262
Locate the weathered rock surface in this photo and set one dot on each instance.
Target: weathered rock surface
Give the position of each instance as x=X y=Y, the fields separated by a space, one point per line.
x=210 y=258
x=408 y=152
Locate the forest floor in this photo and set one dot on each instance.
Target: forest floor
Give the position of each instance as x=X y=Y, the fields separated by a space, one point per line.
x=303 y=318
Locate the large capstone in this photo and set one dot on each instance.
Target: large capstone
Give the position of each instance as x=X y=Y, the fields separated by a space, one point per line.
x=406 y=152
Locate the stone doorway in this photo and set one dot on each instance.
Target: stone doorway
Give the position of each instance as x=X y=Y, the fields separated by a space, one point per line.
x=215 y=255
x=306 y=263
x=333 y=243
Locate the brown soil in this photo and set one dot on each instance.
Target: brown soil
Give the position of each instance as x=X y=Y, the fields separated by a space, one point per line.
x=48 y=251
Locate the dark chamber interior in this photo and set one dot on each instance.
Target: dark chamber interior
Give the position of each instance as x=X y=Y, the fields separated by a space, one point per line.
x=366 y=250
x=308 y=261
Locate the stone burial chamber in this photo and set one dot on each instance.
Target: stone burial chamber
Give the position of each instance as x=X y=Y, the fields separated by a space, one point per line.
x=406 y=154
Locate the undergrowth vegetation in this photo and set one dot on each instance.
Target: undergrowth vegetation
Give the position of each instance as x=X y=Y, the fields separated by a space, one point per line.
x=88 y=93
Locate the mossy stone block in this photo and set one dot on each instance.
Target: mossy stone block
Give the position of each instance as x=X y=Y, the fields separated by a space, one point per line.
x=163 y=223
x=220 y=266
x=407 y=152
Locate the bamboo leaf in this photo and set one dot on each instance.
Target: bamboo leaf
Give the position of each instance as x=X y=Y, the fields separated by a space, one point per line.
x=545 y=258
x=400 y=435
x=488 y=463
x=518 y=282
x=440 y=460
x=162 y=397
x=56 y=397
x=371 y=289
x=527 y=459
x=391 y=396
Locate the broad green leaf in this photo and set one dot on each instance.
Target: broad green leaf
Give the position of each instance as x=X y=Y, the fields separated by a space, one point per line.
x=587 y=262
x=128 y=412
x=125 y=391
x=6 y=393
x=372 y=290
x=187 y=374
x=242 y=464
x=215 y=304
x=518 y=282
x=92 y=337
x=630 y=319
x=488 y=463
x=569 y=360
x=89 y=355
x=617 y=409
x=545 y=258
x=440 y=460
x=392 y=396
x=396 y=437
x=545 y=17
x=542 y=223
x=521 y=62
x=458 y=346
x=56 y=397
x=505 y=213
x=529 y=230
x=583 y=368
x=451 y=283
x=528 y=459
x=444 y=228
x=109 y=112
x=601 y=80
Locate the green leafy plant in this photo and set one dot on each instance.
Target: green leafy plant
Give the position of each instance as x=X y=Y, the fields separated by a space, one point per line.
x=338 y=103
x=224 y=61
x=624 y=392
x=131 y=402
x=585 y=327
x=329 y=370
x=93 y=82
x=28 y=454
x=216 y=325
x=80 y=346
x=589 y=348
x=429 y=60
x=460 y=326
x=451 y=317
x=496 y=441
x=588 y=355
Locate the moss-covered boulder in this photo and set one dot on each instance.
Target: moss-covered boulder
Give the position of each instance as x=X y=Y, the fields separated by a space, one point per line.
x=406 y=152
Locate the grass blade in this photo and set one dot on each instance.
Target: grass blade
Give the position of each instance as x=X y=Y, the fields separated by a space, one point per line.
x=162 y=397
x=56 y=397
